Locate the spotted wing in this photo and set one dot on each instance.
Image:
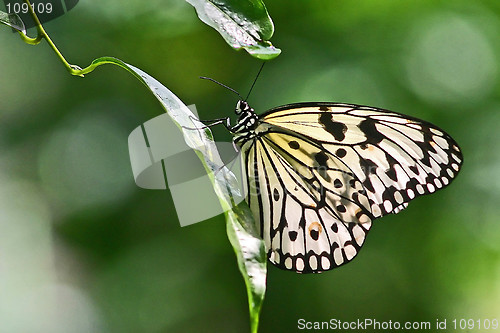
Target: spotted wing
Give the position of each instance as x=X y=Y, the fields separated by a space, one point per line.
x=395 y=157
x=311 y=218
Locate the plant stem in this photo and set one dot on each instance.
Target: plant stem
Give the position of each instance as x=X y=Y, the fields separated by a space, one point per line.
x=72 y=69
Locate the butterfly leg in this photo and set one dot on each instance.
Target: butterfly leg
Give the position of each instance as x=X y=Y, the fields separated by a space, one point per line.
x=209 y=123
x=224 y=121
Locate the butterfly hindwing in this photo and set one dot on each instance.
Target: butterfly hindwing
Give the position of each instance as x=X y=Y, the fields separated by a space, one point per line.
x=309 y=222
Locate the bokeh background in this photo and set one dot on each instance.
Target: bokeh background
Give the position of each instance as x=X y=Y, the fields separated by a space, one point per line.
x=82 y=249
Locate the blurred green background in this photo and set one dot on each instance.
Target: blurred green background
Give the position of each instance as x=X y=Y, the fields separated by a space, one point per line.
x=82 y=249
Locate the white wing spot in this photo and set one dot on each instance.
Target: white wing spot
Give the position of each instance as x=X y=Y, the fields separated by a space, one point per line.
x=272 y=256
x=313 y=262
x=441 y=142
x=299 y=264
x=435 y=131
x=288 y=263
x=350 y=252
x=438 y=183
x=431 y=188
x=412 y=125
x=337 y=256
x=376 y=210
x=325 y=263
x=387 y=206
x=420 y=189
x=398 y=197
x=359 y=234
x=456 y=158
x=364 y=218
x=410 y=193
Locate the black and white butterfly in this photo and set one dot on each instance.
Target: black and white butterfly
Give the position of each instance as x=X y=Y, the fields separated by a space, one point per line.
x=318 y=174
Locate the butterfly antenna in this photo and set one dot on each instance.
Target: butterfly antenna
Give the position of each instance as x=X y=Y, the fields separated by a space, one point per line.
x=222 y=85
x=254 y=81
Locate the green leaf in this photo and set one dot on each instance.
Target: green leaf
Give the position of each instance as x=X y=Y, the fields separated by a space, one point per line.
x=249 y=247
x=251 y=258
x=13 y=21
x=243 y=24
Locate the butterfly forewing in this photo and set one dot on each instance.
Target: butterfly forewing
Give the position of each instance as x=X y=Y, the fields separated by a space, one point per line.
x=319 y=173
x=395 y=157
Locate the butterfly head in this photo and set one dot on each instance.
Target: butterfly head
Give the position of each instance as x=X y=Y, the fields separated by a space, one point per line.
x=242 y=107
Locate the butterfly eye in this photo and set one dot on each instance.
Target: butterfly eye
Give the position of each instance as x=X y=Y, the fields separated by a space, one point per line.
x=238 y=108
x=241 y=106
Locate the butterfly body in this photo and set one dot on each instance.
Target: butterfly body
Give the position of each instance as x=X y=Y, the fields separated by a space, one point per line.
x=318 y=174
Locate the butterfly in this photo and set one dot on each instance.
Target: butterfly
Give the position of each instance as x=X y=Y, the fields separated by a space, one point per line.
x=318 y=174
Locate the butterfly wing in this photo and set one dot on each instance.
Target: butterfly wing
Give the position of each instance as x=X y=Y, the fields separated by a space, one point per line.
x=309 y=223
x=394 y=156
x=319 y=173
